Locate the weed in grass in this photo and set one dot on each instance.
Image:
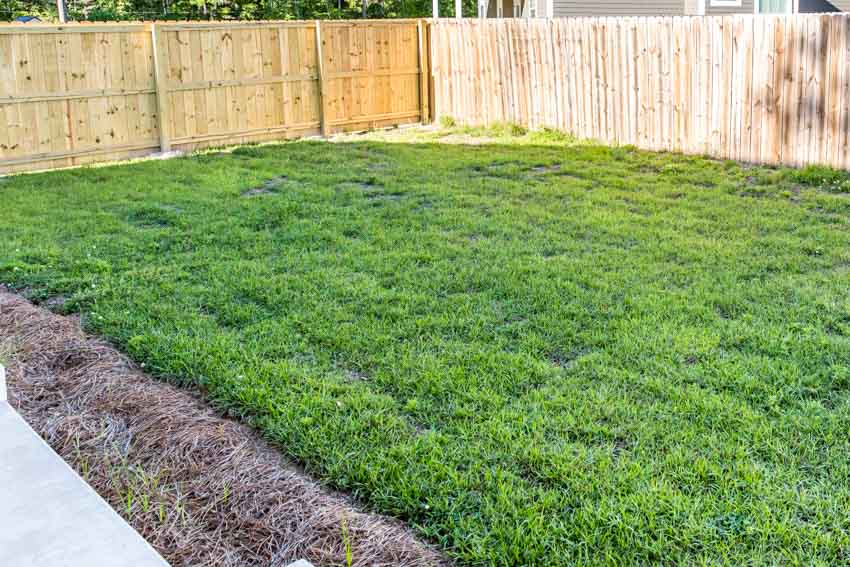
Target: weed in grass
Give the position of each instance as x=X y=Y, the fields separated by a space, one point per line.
x=631 y=361
x=506 y=129
x=346 y=538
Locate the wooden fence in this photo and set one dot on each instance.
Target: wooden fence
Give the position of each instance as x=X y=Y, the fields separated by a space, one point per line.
x=80 y=93
x=772 y=89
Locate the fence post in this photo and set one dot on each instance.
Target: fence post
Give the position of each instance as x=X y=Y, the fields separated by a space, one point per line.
x=163 y=112
x=424 y=72
x=321 y=68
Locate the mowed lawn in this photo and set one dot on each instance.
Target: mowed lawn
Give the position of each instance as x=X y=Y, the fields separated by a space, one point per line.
x=534 y=352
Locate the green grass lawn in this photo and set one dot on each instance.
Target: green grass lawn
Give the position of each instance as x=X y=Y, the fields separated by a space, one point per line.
x=532 y=351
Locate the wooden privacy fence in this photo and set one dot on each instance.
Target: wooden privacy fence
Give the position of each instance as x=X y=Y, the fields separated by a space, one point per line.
x=80 y=93
x=772 y=89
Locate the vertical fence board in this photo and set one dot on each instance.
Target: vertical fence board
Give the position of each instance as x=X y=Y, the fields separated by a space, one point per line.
x=844 y=123
x=777 y=91
x=791 y=91
x=835 y=92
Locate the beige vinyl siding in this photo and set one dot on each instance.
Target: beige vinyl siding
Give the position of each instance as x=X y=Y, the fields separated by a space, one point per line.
x=746 y=7
x=619 y=7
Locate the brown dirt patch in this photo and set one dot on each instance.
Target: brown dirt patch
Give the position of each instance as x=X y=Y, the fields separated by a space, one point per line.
x=202 y=489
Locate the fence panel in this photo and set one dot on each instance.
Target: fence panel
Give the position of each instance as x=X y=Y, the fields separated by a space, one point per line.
x=770 y=89
x=246 y=82
x=79 y=93
x=75 y=94
x=371 y=73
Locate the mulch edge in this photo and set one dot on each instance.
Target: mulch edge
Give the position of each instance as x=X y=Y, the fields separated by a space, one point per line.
x=201 y=488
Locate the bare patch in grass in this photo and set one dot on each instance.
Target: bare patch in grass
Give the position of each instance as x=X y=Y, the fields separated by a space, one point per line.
x=356 y=375
x=566 y=359
x=381 y=196
x=372 y=189
x=367 y=185
x=543 y=169
x=620 y=446
x=266 y=188
x=202 y=489
x=152 y=217
x=755 y=192
x=496 y=172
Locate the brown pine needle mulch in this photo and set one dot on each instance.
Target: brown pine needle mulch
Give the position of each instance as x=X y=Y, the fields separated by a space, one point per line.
x=202 y=489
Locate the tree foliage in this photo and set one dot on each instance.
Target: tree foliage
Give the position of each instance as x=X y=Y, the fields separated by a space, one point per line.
x=95 y=10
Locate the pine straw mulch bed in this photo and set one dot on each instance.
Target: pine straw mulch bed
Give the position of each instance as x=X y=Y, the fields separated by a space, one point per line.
x=202 y=489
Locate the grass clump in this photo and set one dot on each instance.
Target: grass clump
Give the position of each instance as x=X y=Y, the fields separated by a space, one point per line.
x=563 y=353
x=447 y=122
x=826 y=178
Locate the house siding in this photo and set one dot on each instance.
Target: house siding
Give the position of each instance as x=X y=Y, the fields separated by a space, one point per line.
x=747 y=7
x=564 y=8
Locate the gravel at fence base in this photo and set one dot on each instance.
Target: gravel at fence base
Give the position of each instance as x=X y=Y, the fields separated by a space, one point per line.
x=203 y=490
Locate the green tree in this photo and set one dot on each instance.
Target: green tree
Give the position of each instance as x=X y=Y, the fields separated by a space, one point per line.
x=229 y=9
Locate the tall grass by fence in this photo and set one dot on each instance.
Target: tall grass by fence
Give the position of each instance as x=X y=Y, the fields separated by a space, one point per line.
x=80 y=93
x=772 y=89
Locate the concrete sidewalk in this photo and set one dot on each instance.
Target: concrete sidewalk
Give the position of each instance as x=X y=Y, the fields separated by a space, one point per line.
x=48 y=515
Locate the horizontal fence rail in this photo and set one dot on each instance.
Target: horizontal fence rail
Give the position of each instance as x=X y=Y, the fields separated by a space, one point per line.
x=81 y=93
x=767 y=89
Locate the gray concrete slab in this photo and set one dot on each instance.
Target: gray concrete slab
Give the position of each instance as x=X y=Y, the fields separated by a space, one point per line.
x=49 y=517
